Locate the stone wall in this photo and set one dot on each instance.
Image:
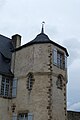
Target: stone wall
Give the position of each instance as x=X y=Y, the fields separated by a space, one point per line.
x=45 y=101
x=32 y=59
x=4 y=109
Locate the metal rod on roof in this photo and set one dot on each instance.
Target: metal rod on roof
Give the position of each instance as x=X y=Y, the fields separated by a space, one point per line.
x=42 y=30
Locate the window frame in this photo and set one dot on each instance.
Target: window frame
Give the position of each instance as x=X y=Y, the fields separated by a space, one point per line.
x=12 y=87
x=29 y=116
x=59 y=59
x=6 y=87
x=30 y=81
x=23 y=116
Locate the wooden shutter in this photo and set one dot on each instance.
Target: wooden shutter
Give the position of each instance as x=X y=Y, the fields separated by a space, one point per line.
x=14 y=87
x=14 y=117
x=30 y=116
x=0 y=82
x=65 y=61
x=55 y=56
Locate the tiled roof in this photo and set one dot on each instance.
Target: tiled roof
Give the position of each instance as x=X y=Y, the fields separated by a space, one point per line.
x=5 y=55
x=5 y=46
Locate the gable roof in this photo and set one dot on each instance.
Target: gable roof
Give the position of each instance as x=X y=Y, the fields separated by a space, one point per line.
x=5 y=46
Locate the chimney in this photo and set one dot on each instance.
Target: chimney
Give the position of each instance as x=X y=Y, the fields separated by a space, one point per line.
x=16 y=40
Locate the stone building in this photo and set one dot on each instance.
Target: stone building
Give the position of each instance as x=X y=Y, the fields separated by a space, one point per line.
x=73 y=115
x=38 y=85
x=6 y=75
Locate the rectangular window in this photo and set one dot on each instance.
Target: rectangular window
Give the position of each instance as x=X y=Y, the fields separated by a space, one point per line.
x=6 y=86
x=59 y=59
x=25 y=116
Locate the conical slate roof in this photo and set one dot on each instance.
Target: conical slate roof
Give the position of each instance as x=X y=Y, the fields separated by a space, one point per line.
x=40 y=38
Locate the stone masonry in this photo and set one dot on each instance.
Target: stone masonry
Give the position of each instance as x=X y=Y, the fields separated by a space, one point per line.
x=45 y=101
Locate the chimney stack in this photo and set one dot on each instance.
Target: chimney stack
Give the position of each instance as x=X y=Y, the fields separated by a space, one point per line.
x=16 y=40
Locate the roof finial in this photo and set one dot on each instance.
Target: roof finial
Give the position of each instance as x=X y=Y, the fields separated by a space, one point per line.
x=42 y=31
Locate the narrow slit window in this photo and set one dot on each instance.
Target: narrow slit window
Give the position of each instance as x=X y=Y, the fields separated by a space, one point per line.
x=30 y=81
x=59 y=82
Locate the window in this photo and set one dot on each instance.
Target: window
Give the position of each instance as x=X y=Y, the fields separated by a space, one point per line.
x=30 y=81
x=59 y=82
x=59 y=59
x=6 y=86
x=22 y=116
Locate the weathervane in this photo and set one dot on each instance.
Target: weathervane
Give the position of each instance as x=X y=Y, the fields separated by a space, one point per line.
x=42 y=31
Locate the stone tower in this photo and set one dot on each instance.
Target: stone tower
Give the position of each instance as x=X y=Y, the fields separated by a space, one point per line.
x=40 y=78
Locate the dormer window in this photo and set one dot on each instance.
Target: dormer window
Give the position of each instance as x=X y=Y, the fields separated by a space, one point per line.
x=59 y=59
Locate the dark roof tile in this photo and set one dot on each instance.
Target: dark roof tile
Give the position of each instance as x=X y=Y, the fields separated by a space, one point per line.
x=5 y=46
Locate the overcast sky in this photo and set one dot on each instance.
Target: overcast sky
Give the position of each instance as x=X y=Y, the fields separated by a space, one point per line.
x=62 y=25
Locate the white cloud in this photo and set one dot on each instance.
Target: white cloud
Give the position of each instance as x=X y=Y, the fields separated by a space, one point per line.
x=73 y=45
x=2 y=3
x=74 y=107
x=73 y=93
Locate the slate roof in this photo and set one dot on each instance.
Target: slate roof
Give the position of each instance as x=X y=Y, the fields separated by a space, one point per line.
x=6 y=48
x=42 y=38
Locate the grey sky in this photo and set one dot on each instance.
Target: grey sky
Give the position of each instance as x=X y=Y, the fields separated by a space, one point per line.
x=62 y=20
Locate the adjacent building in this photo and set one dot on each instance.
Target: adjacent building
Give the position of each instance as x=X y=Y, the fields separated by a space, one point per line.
x=73 y=115
x=6 y=76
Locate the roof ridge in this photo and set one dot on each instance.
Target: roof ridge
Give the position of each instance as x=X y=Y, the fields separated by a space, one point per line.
x=5 y=36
